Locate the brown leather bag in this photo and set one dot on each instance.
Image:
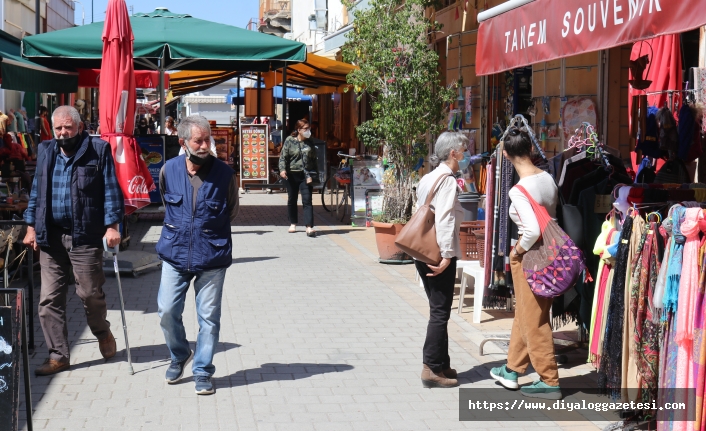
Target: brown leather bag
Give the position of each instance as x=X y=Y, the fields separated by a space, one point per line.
x=418 y=237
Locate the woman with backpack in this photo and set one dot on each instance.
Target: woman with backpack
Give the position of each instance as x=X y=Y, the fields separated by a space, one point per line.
x=531 y=340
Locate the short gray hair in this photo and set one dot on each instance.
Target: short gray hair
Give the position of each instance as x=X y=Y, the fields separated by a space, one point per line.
x=67 y=111
x=447 y=142
x=184 y=129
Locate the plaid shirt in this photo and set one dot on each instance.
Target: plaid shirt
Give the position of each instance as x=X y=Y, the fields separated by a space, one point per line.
x=61 y=194
x=61 y=191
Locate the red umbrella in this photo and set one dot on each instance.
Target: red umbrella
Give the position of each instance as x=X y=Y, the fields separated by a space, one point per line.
x=117 y=107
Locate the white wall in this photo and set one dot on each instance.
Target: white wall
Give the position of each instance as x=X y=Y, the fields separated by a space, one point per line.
x=302 y=9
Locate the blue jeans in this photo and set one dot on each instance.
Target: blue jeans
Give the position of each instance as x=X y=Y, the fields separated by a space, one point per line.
x=208 y=287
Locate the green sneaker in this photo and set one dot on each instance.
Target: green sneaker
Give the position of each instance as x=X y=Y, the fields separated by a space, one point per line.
x=506 y=377
x=539 y=389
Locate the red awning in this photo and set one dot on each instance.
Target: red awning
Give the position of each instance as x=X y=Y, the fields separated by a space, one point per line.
x=90 y=78
x=545 y=30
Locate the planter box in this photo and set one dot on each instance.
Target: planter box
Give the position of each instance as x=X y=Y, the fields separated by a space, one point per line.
x=385 y=236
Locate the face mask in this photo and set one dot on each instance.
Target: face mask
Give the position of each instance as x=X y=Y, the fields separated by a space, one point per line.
x=195 y=158
x=306 y=134
x=463 y=163
x=69 y=144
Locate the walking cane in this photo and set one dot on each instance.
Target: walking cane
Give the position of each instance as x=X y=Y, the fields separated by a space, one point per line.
x=114 y=252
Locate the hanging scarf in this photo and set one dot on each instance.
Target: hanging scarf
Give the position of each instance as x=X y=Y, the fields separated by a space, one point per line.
x=699 y=345
x=689 y=283
x=629 y=380
x=646 y=334
x=671 y=293
x=658 y=297
x=610 y=371
x=604 y=266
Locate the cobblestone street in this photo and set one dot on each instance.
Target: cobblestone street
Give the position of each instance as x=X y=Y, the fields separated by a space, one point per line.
x=316 y=335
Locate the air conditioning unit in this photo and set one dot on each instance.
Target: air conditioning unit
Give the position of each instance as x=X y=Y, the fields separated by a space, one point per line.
x=321 y=10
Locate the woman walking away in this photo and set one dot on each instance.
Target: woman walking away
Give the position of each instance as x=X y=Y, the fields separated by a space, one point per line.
x=298 y=166
x=531 y=340
x=450 y=155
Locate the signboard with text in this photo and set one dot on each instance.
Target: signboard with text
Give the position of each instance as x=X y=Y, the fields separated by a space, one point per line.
x=254 y=148
x=545 y=30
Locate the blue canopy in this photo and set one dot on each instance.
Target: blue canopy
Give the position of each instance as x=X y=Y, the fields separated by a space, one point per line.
x=292 y=96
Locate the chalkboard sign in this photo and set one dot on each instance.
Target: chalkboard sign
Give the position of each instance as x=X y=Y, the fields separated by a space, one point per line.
x=10 y=346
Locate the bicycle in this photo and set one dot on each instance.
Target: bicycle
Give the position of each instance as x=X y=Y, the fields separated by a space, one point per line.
x=336 y=192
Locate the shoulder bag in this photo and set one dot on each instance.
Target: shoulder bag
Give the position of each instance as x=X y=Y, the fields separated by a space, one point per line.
x=418 y=237
x=554 y=263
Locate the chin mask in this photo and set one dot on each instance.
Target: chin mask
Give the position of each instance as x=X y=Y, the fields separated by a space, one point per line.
x=194 y=158
x=69 y=144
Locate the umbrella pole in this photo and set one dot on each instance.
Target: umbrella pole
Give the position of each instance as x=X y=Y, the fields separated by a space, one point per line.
x=259 y=77
x=163 y=95
x=237 y=109
x=284 y=96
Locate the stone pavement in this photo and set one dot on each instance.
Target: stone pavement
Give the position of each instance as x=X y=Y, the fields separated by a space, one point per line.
x=315 y=335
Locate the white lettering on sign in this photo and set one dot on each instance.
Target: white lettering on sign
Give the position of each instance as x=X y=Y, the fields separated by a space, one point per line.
x=137 y=185
x=592 y=25
x=565 y=31
x=616 y=9
x=633 y=8
x=542 y=32
x=527 y=37
x=657 y=6
x=577 y=29
x=604 y=12
x=530 y=34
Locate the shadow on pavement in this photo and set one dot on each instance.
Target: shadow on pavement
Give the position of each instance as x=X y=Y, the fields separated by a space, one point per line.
x=253 y=259
x=245 y=232
x=277 y=372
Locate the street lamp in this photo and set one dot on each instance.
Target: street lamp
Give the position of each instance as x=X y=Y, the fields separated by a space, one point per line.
x=83 y=11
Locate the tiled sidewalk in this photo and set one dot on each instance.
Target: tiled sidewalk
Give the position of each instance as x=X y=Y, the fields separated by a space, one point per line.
x=316 y=335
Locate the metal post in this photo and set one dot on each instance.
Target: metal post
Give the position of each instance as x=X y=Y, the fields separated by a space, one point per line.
x=284 y=96
x=162 y=92
x=37 y=30
x=259 y=77
x=237 y=105
x=30 y=296
x=91 y=11
x=25 y=360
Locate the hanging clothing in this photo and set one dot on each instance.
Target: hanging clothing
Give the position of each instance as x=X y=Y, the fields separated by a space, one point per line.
x=610 y=371
x=699 y=345
x=629 y=380
x=600 y=299
x=645 y=339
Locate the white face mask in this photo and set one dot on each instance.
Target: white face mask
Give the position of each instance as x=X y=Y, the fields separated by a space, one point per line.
x=306 y=134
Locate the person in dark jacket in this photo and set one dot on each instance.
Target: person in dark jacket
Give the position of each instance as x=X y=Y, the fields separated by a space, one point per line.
x=298 y=166
x=74 y=205
x=200 y=195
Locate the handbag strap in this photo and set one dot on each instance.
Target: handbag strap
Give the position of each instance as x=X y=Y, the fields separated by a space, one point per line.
x=540 y=212
x=434 y=189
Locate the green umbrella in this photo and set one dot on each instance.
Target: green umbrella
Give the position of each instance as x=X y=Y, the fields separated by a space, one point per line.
x=168 y=41
x=23 y=75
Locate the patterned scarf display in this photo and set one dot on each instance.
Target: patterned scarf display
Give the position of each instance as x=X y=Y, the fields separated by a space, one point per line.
x=645 y=346
x=699 y=345
x=610 y=371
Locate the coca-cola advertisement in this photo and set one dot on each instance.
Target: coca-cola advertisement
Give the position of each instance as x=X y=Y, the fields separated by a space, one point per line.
x=153 y=154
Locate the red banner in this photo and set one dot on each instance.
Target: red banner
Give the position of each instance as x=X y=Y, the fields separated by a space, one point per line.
x=549 y=29
x=90 y=78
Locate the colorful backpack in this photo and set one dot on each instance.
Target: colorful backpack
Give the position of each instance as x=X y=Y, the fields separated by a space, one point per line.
x=553 y=264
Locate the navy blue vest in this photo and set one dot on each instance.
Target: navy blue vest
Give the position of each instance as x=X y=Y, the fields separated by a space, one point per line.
x=87 y=191
x=195 y=241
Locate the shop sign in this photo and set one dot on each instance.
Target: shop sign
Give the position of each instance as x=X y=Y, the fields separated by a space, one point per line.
x=545 y=30
x=254 y=150
x=225 y=149
x=366 y=177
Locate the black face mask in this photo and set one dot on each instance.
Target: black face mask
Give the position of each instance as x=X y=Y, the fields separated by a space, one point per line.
x=193 y=158
x=69 y=144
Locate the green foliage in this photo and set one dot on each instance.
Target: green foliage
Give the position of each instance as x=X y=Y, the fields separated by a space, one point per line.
x=398 y=70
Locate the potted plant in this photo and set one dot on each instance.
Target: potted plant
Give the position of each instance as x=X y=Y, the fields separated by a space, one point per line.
x=398 y=70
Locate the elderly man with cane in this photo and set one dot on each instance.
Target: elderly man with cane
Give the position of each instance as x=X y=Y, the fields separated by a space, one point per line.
x=200 y=196
x=75 y=203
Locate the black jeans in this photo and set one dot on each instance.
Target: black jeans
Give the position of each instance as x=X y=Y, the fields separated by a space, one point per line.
x=440 y=291
x=296 y=183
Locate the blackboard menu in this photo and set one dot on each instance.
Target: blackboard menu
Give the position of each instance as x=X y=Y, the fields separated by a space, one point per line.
x=9 y=362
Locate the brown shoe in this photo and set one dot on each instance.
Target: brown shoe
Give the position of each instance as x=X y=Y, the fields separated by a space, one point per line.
x=50 y=366
x=450 y=373
x=107 y=346
x=431 y=379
